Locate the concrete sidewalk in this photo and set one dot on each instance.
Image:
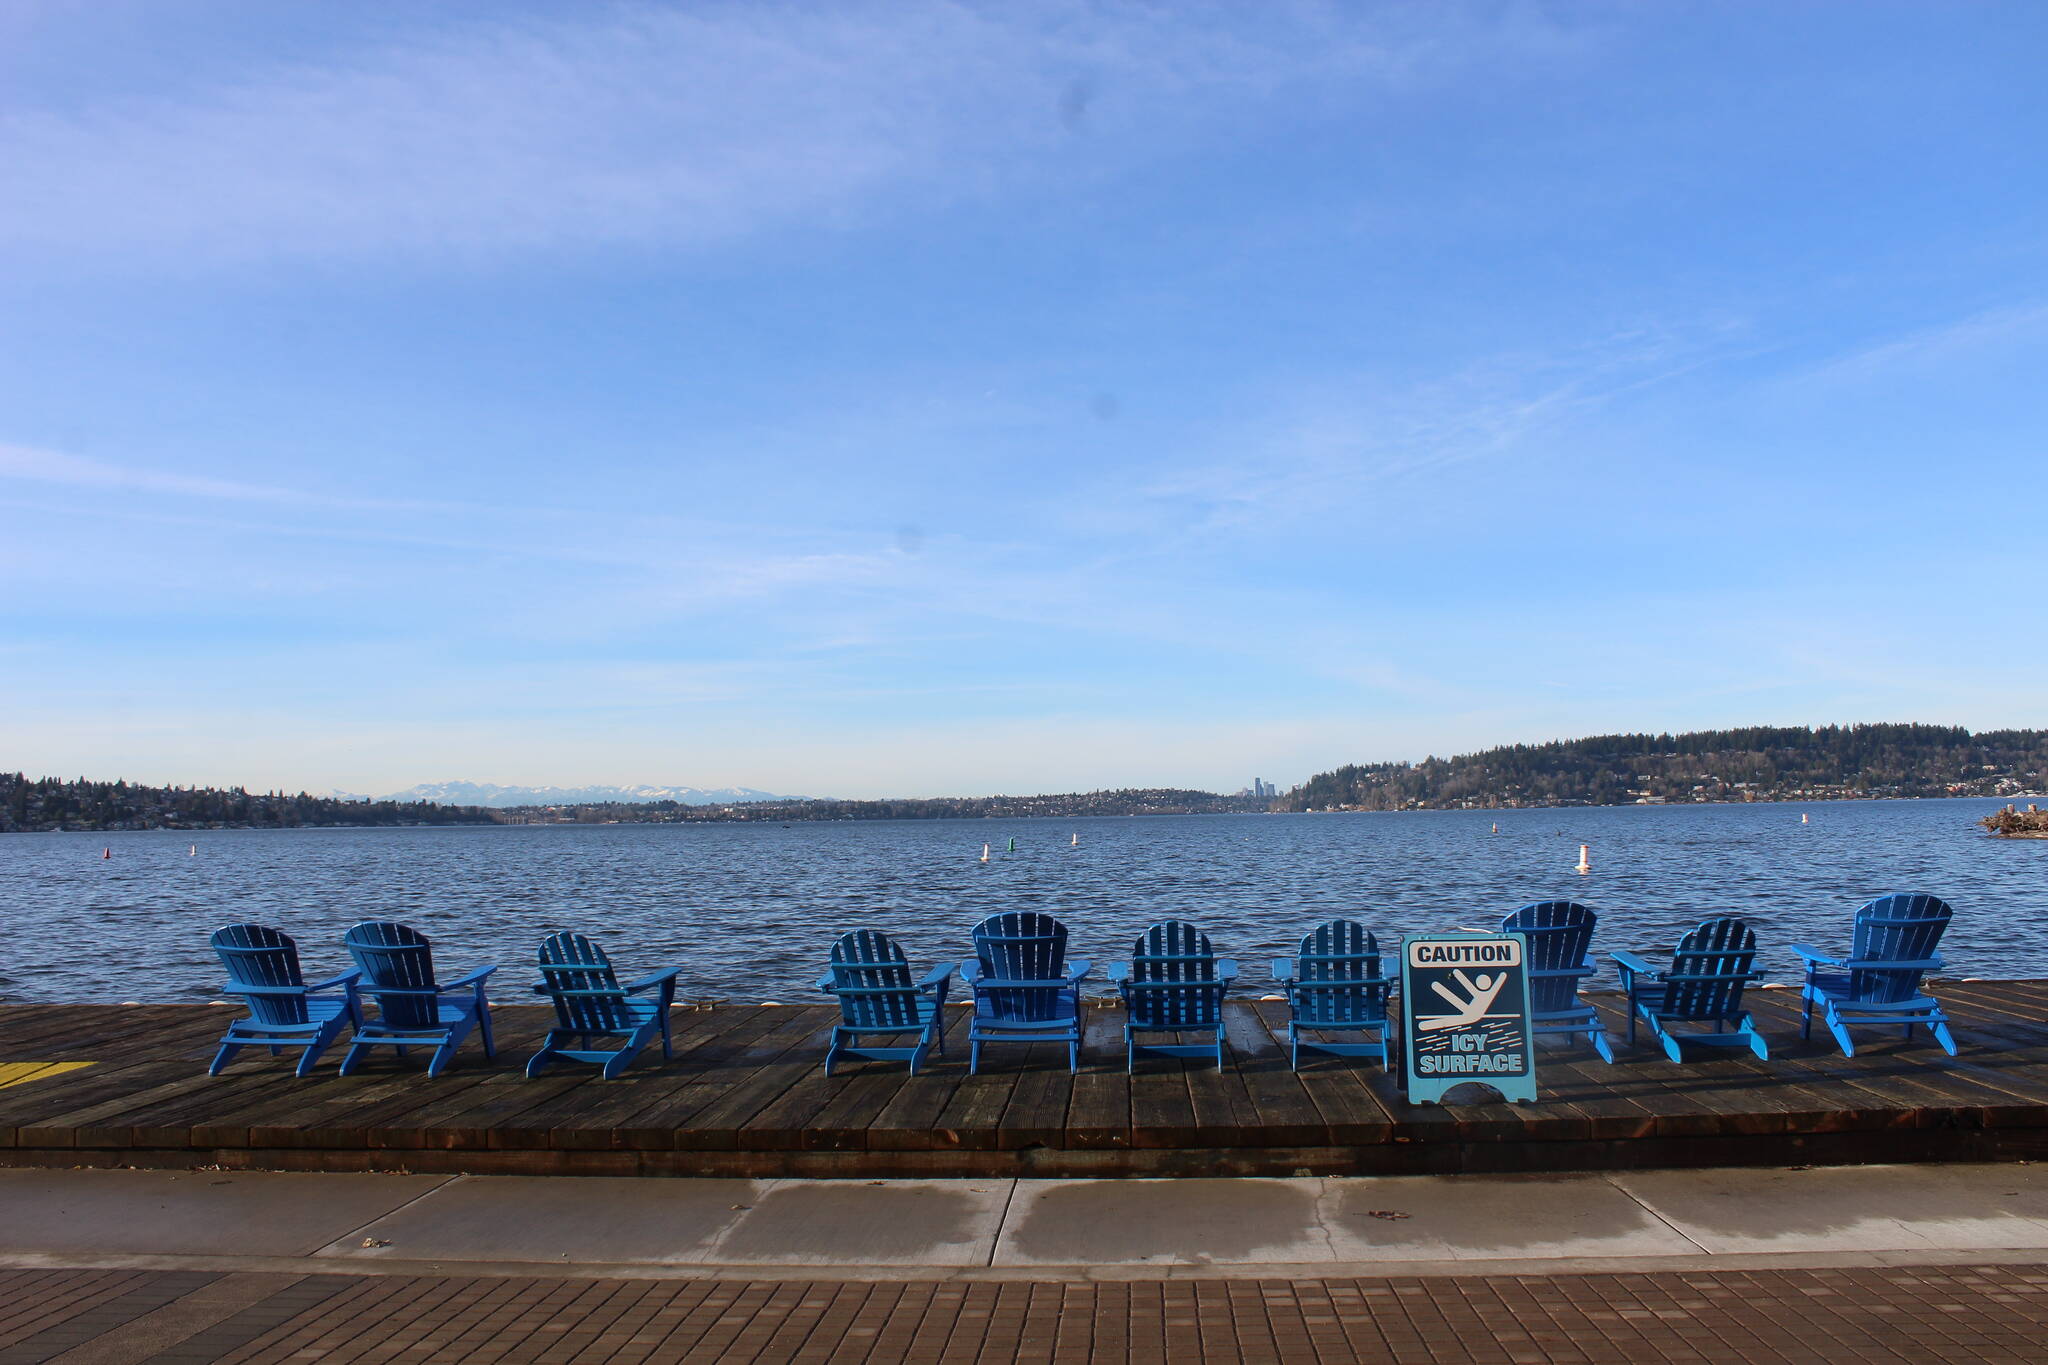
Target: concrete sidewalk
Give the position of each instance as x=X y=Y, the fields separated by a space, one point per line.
x=1040 y=1230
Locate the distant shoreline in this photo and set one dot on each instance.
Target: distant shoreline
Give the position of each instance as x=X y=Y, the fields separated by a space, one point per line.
x=787 y=820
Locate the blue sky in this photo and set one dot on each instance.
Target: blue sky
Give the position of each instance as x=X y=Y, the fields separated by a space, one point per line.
x=925 y=398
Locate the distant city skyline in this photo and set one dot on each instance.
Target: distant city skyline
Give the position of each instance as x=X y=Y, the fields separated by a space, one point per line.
x=963 y=398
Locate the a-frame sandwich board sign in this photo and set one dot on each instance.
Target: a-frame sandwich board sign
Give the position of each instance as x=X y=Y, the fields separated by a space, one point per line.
x=1465 y=1015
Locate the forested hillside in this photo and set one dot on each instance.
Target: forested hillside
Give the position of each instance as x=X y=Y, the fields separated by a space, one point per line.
x=50 y=803
x=1763 y=763
x=1128 y=801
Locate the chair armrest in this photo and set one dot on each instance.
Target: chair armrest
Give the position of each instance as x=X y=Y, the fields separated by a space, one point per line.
x=1119 y=972
x=825 y=985
x=938 y=976
x=1813 y=957
x=236 y=988
x=1633 y=962
x=1921 y=964
x=345 y=979
x=472 y=979
x=1281 y=969
x=1226 y=969
x=970 y=969
x=647 y=983
x=1077 y=969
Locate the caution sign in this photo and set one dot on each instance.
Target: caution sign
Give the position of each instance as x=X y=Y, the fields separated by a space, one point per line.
x=1465 y=1015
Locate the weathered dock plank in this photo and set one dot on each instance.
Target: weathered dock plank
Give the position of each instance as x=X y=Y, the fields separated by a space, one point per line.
x=745 y=1094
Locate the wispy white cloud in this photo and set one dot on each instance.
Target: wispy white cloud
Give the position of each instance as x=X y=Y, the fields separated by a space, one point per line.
x=645 y=123
x=1324 y=453
x=77 y=471
x=1990 y=329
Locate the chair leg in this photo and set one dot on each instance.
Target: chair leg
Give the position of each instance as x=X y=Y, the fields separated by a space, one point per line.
x=1073 y=1057
x=483 y=1017
x=1806 y=1020
x=309 y=1057
x=1838 y=1027
x=973 y=1055
x=539 y=1061
x=1939 y=1028
x=443 y=1055
x=222 y=1057
x=1598 y=1038
x=352 y=1056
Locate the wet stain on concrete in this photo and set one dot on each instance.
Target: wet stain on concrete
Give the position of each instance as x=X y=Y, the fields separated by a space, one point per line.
x=1196 y=1221
x=900 y=1224
x=1494 y=1212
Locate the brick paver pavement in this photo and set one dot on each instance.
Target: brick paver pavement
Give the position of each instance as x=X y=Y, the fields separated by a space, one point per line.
x=1757 y=1316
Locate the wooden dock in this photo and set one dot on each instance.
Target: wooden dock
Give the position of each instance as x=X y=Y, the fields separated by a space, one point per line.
x=745 y=1096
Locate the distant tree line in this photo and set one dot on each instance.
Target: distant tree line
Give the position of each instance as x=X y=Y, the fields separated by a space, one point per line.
x=1128 y=801
x=1760 y=763
x=55 y=803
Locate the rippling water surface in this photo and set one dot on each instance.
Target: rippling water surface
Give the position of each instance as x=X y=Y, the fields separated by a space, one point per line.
x=748 y=911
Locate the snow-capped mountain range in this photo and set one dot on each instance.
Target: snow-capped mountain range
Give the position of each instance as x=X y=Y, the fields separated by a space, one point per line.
x=491 y=794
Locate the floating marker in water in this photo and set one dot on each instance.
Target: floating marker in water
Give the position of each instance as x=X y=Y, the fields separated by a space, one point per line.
x=106 y=853
x=1802 y=817
x=1074 y=842
x=984 y=852
x=192 y=852
x=1496 y=827
x=1585 y=857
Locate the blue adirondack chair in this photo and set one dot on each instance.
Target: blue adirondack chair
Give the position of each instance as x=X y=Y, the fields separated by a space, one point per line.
x=877 y=999
x=1337 y=983
x=1025 y=990
x=1709 y=968
x=263 y=968
x=413 y=1009
x=591 y=1004
x=1174 y=983
x=1560 y=939
x=1893 y=947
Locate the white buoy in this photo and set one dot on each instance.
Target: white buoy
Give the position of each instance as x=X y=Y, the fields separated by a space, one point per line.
x=192 y=852
x=1585 y=857
x=1496 y=827
x=1802 y=817
x=1074 y=842
x=984 y=852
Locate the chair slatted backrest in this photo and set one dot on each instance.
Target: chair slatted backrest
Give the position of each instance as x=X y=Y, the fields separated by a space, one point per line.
x=1559 y=935
x=872 y=979
x=570 y=962
x=1709 y=969
x=1022 y=945
x=396 y=957
x=257 y=955
x=1173 y=975
x=1338 y=975
x=1904 y=928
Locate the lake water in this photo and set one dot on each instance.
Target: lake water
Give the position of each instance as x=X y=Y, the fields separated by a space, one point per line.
x=749 y=911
